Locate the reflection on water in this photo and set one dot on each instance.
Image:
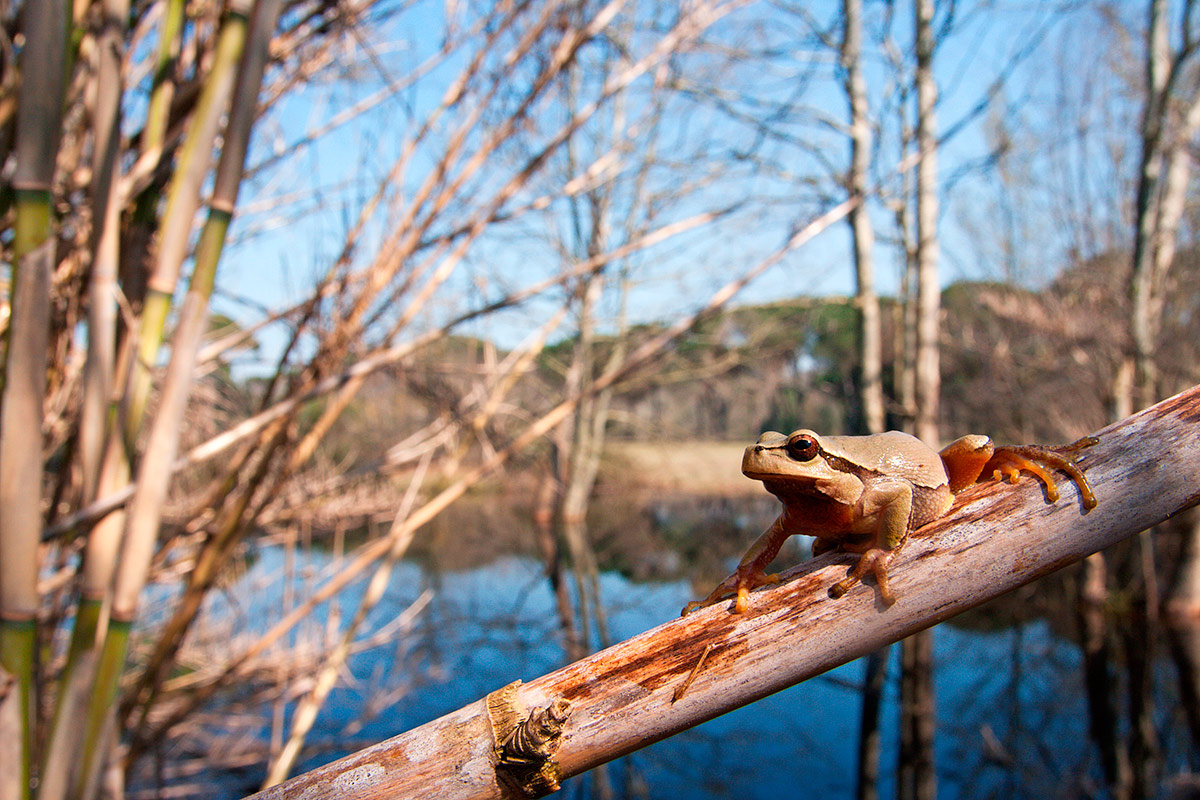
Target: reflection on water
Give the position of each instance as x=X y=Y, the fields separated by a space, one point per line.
x=1011 y=714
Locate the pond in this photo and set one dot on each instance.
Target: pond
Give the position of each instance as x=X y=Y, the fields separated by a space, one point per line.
x=1011 y=715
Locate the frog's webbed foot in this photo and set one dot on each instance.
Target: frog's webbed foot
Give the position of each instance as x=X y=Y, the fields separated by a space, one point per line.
x=739 y=584
x=1009 y=461
x=874 y=560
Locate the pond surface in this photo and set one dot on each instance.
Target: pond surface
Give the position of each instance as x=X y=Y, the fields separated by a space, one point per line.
x=1012 y=719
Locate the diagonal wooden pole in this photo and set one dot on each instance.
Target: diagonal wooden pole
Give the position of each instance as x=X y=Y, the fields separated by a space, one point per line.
x=688 y=670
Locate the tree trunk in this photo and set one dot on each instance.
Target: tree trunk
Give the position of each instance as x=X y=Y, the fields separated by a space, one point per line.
x=874 y=679
x=870 y=335
x=928 y=376
x=1102 y=712
x=870 y=344
x=1158 y=57
x=917 y=701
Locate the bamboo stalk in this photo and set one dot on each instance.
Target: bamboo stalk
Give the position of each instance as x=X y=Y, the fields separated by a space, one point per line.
x=243 y=112
x=155 y=471
x=998 y=537
x=39 y=112
x=158 y=114
x=310 y=705
x=183 y=199
x=61 y=758
x=102 y=309
x=104 y=537
x=400 y=535
x=144 y=514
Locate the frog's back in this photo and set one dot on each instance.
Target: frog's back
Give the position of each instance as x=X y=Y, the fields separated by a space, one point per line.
x=894 y=453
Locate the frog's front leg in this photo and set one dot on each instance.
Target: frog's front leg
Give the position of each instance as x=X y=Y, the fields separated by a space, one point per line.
x=889 y=502
x=750 y=572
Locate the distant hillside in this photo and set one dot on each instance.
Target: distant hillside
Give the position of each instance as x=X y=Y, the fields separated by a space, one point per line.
x=1017 y=364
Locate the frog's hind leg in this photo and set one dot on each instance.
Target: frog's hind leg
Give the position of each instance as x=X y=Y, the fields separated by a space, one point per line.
x=1010 y=460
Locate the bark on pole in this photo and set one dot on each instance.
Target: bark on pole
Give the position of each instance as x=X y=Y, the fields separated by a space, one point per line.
x=1145 y=468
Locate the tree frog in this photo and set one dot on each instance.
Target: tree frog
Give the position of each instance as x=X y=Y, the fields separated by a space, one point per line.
x=865 y=494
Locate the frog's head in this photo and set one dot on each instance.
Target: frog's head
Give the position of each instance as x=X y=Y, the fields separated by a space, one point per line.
x=797 y=457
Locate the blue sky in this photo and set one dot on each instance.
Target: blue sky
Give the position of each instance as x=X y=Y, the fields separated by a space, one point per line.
x=295 y=215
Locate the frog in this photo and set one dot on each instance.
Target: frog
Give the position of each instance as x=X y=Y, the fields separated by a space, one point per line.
x=867 y=494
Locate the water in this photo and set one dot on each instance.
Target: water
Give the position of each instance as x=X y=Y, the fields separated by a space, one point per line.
x=1012 y=720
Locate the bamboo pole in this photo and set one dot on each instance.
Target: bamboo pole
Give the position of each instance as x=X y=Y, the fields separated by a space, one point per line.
x=688 y=670
x=155 y=473
x=183 y=200
x=65 y=738
x=38 y=125
x=142 y=521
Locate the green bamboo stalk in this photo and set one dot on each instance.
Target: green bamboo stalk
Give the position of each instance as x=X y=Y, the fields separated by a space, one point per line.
x=144 y=513
x=153 y=139
x=70 y=746
x=145 y=509
x=17 y=642
x=183 y=199
x=163 y=87
x=39 y=112
x=108 y=677
x=61 y=760
x=109 y=646
x=208 y=253
x=62 y=766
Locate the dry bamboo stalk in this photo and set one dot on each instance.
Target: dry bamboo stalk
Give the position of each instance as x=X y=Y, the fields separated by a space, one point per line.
x=326 y=678
x=1145 y=468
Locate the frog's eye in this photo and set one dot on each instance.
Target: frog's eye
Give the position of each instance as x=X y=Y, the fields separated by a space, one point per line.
x=802 y=448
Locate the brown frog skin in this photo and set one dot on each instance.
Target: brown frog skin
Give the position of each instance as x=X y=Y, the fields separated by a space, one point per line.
x=866 y=494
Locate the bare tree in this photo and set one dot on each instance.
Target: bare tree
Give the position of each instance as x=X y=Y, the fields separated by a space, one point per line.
x=870 y=327
x=870 y=345
x=917 y=774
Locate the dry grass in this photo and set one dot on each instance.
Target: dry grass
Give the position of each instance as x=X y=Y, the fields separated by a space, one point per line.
x=692 y=466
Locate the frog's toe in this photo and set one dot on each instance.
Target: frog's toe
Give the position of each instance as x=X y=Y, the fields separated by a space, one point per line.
x=692 y=606
x=739 y=585
x=743 y=600
x=875 y=561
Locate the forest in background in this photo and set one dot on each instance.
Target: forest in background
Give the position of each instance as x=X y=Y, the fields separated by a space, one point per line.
x=1011 y=358
x=261 y=253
